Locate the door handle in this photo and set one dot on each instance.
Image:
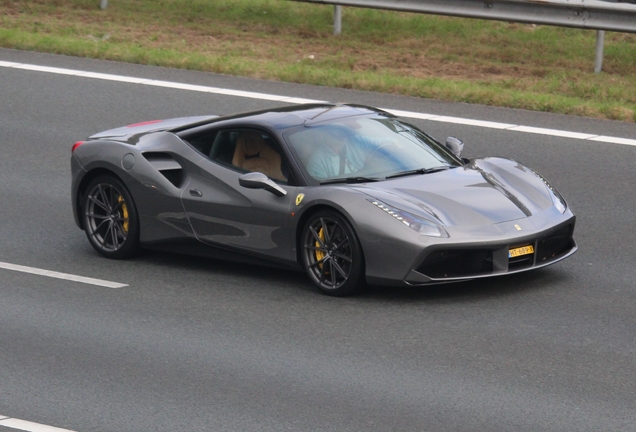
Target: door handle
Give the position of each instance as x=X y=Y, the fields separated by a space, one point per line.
x=196 y=193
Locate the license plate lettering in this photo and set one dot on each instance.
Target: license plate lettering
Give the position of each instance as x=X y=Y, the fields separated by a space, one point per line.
x=520 y=251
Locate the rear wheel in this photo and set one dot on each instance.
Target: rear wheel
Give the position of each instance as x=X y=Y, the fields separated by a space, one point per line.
x=110 y=218
x=332 y=255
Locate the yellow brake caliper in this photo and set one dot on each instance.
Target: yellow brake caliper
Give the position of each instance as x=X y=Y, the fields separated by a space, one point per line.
x=124 y=210
x=320 y=255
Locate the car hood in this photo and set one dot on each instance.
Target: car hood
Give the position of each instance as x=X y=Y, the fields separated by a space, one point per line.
x=483 y=192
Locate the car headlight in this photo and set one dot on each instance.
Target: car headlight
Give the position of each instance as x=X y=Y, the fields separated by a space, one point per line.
x=559 y=202
x=557 y=198
x=416 y=223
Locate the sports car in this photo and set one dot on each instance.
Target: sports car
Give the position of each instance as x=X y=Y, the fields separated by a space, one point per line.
x=350 y=194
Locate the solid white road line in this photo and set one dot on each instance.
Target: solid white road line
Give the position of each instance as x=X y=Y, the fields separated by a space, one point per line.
x=28 y=426
x=64 y=276
x=295 y=100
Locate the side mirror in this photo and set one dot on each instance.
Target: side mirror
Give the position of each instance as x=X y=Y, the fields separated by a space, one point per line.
x=256 y=180
x=455 y=145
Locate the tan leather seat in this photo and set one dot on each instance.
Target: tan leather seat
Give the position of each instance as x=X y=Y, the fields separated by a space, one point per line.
x=253 y=154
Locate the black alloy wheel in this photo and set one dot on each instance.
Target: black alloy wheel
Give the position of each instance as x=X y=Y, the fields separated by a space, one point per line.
x=331 y=254
x=110 y=218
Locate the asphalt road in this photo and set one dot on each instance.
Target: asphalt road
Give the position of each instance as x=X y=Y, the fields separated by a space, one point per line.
x=200 y=345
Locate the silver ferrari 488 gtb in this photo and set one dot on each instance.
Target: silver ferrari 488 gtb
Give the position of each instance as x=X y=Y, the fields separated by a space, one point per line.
x=351 y=194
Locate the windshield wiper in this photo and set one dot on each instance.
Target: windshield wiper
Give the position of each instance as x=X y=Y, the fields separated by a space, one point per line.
x=419 y=171
x=351 y=180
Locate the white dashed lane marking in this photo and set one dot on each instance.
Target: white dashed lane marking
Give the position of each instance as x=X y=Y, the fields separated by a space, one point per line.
x=64 y=276
x=28 y=426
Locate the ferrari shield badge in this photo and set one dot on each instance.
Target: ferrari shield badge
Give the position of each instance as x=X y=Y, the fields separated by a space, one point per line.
x=299 y=198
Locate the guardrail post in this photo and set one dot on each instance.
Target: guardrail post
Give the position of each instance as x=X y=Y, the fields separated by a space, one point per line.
x=103 y=4
x=337 y=20
x=600 y=41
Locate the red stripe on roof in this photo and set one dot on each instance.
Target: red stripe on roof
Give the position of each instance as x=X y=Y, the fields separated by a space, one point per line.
x=144 y=123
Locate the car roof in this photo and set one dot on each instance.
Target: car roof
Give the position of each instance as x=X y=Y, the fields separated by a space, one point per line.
x=297 y=115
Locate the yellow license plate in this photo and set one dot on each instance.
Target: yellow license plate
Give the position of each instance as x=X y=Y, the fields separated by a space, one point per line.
x=523 y=250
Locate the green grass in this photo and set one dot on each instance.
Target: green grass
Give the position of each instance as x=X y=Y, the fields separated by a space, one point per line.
x=487 y=62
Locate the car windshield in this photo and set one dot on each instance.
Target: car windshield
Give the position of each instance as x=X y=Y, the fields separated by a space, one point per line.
x=371 y=148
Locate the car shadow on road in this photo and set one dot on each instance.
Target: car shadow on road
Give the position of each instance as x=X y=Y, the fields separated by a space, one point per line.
x=471 y=291
x=264 y=273
x=280 y=280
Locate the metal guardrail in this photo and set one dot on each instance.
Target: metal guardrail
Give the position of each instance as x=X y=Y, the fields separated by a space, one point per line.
x=584 y=14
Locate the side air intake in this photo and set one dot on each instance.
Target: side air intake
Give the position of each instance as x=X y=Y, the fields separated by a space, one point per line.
x=167 y=166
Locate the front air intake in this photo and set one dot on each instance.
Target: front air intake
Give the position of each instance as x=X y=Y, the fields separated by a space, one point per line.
x=457 y=263
x=555 y=245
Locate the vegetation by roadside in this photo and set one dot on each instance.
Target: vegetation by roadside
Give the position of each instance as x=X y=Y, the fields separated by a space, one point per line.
x=505 y=64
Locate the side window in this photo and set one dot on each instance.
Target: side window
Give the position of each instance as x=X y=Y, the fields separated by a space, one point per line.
x=224 y=147
x=203 y=141
x=250 y=150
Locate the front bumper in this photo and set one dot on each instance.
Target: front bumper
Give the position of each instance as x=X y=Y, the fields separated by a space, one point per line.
x=400 y=258
x=450 y=263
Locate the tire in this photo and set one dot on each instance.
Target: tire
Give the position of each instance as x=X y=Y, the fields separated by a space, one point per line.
x=110 y=218
x=331 y=254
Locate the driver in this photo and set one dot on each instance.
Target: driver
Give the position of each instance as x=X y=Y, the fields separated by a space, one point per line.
x=340 y=155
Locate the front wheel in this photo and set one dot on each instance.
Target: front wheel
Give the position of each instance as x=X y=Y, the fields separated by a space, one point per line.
x=110 y=218
x=332 y=255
